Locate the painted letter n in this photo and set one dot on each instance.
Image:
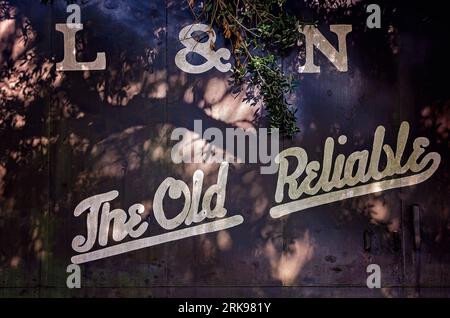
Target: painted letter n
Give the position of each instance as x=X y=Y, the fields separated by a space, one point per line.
x=313 y=38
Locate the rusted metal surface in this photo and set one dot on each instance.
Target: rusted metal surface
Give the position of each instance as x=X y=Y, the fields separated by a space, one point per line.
x=98 y=131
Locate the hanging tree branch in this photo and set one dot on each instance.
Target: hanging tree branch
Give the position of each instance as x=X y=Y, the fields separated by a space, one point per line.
x=259 y=32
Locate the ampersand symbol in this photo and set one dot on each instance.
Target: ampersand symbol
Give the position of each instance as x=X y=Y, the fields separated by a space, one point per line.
x=202 y=48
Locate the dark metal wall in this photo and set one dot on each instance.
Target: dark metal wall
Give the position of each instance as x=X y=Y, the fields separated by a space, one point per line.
x=66 y=136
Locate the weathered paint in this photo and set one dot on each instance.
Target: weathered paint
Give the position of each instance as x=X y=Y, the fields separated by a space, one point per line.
x=98 y=131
